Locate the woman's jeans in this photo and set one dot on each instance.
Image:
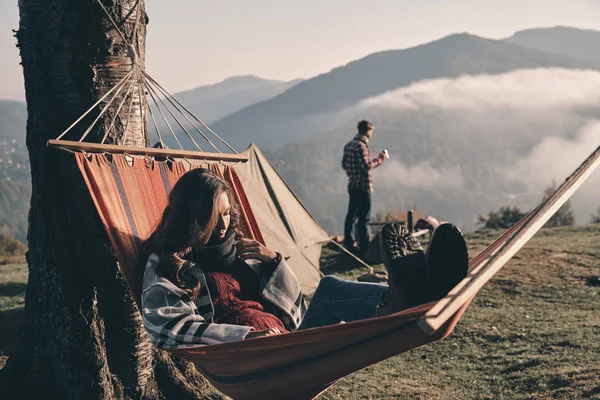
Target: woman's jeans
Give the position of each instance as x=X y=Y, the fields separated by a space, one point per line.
x=337 y=300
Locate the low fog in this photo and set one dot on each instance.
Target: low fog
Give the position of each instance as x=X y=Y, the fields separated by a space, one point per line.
x=544 y=121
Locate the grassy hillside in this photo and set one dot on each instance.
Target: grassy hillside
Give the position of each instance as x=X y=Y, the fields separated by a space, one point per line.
x=531 y=333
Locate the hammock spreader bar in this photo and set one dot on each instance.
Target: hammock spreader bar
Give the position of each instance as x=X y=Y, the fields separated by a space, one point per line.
x=145 y=151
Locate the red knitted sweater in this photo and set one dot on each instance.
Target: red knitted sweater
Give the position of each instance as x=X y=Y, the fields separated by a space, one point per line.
x=235 y=297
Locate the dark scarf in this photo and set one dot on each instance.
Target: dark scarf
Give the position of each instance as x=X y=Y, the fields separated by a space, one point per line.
x=216 y=256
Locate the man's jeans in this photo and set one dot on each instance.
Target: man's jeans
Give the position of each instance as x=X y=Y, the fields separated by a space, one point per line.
x=359 y=208
x=337 y=300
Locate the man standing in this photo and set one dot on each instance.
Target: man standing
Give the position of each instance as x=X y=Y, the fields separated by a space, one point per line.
x=358 y=165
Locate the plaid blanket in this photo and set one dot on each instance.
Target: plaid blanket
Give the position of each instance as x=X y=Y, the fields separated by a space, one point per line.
x=173 y=320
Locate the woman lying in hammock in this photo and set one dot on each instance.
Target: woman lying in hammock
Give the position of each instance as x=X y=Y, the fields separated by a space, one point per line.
x=204 y=285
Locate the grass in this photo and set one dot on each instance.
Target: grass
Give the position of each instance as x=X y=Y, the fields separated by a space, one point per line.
x=13 y=283
x=532 y=333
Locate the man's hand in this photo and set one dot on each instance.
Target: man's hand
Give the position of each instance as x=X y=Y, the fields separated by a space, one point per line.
x=249 y=249
x=381 y=157
x=264 y=332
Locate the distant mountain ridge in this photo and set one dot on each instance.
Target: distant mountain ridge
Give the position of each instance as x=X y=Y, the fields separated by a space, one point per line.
x=309 y=113
x=304 y=109
x=15 y=181
x=211 y=102
x=13 y=119
x=570 y=42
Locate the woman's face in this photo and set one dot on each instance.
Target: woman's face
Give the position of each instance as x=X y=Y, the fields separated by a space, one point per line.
x=223 y=216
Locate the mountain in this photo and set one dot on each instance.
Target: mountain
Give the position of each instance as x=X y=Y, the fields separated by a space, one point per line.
x=449 y=162
x=213 y=102
x=15 y=185
x=576 y=43
x=455 y=114
x=13 y=118
x=207 y=102
x=314 y=105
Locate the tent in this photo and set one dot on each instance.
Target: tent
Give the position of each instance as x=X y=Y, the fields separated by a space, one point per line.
x=286 y=225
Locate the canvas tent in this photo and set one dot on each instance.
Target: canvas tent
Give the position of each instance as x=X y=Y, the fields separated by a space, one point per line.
x=286 y=225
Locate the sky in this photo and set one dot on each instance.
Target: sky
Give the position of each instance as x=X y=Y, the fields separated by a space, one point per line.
x=198 y=42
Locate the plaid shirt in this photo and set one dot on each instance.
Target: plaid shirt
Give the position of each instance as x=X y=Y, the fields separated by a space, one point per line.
x=358 y=164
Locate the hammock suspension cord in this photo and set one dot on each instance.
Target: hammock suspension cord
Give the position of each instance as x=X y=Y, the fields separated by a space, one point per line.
x=138 y=83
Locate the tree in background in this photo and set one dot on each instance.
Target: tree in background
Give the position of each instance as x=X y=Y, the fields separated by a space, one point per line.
x=82 y=336
x=11 y=249
x=504 y=218
x=595 y=218
x=564 y=216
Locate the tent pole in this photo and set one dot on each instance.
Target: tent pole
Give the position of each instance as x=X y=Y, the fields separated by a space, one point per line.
x=371 y=270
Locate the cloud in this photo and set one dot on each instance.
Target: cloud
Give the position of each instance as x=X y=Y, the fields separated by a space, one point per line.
x=555 y=158
x=542 y=122
x=529 y=89
x=422 y=176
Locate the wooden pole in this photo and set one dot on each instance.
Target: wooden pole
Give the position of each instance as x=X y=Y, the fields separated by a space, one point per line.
x=145 y=151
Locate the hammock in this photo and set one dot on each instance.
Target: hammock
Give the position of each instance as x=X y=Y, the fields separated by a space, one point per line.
x=130 y=198
x=131 y=193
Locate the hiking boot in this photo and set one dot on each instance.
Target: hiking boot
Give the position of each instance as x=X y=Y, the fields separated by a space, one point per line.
x=447 y=260
x=352 y=248
x=404 y=261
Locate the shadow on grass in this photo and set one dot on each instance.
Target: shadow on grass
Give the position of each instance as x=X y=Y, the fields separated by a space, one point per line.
x=10 y=323
x=10 y=289
x=521 y=366
x=593 y=281
x=335 y=261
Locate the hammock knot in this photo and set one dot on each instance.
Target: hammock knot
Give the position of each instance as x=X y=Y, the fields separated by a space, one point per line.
x=132 y=55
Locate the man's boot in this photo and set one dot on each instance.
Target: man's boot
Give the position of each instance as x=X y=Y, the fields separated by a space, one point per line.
x=404 y=261
x=447 y=260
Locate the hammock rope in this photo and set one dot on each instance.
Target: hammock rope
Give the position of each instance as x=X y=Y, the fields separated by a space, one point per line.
x=151 y=113
x=190 y=113
x=171 y=110
x=92 y=107
x=126 y=130
x=114 y=24
x=114 y=119
x=156 y=96
x=177 y=105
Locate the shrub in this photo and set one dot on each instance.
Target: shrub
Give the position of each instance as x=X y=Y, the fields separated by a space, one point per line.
x=504 y=218
x=564 y=216
x=11 y=249
x=595 y=218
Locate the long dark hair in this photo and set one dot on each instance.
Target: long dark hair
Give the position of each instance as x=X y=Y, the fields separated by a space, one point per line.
x=189 y=220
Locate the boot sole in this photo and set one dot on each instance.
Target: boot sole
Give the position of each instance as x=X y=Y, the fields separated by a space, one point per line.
x=406 y=274
x=447 y=260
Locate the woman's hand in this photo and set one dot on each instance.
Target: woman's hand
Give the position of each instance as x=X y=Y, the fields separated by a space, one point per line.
x=264 y=332
x=249 y=249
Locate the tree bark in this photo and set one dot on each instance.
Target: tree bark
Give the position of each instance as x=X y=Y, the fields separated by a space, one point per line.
x=82 y=337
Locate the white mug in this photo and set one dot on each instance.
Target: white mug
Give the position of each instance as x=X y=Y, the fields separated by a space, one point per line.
x=386 y=154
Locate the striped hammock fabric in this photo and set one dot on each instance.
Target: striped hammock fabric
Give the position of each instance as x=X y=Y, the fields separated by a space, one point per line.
x=297 y=365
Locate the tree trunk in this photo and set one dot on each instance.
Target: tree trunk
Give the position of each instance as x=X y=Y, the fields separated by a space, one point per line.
x=82 y=337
